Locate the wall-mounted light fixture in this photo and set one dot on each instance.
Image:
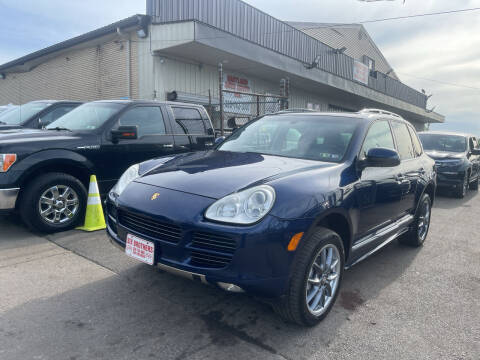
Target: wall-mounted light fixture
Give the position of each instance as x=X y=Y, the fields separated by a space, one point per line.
x=142 y=33
x=314 y=63
x=340 y=51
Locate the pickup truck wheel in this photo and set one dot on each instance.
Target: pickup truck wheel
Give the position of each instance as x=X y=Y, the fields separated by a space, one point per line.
x=53 y=202
x=418 y=232
x=315 y=279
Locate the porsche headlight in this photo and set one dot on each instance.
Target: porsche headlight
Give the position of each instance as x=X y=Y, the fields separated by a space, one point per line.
x=128 y=176
x=245 y=207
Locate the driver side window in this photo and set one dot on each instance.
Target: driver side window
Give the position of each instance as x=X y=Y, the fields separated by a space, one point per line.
x=379 y=136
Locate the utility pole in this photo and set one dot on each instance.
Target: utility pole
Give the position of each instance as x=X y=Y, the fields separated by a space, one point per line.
x=220 y=89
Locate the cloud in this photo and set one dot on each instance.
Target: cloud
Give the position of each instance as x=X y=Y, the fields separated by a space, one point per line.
x=30 y=25
x=444 y=47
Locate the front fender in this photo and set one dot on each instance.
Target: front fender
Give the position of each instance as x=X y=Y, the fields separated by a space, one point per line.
x=48 y=158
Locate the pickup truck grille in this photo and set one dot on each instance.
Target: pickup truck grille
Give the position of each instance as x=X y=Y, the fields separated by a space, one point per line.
x=146 y=226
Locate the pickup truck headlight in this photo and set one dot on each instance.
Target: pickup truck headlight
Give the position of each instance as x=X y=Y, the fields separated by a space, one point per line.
x=245 y=207
x=128 y=176
x=6 y=161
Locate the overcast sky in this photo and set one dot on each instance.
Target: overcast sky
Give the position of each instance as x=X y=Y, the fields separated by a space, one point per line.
x=445 y=48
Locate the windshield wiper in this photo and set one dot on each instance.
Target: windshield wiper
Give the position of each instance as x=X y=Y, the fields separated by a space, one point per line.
x=60 y=129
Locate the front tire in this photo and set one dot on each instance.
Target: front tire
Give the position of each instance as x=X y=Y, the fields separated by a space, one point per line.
x=315 y=280
x=461 y=191
x=418 y=232
x=474 y=184
x=52 y=203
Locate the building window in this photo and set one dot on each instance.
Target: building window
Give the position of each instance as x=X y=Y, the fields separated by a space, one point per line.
x=369 y=62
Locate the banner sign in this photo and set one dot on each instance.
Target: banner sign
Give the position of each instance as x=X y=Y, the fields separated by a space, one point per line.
x=237 y=103
x=360 y=72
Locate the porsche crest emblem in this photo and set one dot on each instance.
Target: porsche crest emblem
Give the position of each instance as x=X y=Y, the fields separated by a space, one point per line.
x=155 y=196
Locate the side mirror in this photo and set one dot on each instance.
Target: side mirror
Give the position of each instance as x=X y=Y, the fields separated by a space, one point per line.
x=220 y=140
x=124 y=133
x=475 y=152
x=382 y=157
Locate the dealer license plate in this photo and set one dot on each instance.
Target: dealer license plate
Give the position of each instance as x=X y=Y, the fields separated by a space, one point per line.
x=140 y=249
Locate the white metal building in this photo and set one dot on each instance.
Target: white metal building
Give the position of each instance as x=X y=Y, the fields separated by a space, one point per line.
x=179 y=45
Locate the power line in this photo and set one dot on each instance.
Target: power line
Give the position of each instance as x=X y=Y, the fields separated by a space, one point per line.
x=440 y=81
x=420 y=15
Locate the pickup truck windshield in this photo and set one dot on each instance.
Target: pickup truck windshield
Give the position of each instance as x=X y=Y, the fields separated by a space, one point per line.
x=21 y=114
x=322 y=138
x=448 y=143
x=87 y=117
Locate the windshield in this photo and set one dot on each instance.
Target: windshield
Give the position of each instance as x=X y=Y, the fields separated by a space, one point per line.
x=87 y=117
x=448 y=143
x=21 y=114
x=322 y=138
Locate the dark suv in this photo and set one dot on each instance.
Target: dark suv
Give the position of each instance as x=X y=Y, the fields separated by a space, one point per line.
x=44 y=173
x=281 y=207
x=457 y=159
x=36 y=114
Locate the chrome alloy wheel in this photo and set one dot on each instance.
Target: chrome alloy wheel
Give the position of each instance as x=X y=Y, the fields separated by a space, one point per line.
x=58 y=204
x=323 y=280
x=424 y=220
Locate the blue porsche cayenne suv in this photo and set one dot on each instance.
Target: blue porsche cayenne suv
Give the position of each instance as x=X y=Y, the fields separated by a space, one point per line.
x=281 y=207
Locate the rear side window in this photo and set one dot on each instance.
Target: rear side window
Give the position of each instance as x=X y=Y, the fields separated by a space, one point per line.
x=404 y=141
x=149 y=120
x=379 y=136
x=417 y=146
x=188 y=121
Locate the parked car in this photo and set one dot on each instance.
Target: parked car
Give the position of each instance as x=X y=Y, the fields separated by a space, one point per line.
x=44 y=173
x=36 y=114
x=457 y=159
x=281 y=207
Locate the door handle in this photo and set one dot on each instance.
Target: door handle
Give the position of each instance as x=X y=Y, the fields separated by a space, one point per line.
x=168 y=146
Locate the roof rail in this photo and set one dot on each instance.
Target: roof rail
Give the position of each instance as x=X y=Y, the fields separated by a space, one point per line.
x=379 y=112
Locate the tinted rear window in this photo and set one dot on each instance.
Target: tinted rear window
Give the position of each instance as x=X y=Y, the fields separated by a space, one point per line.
x=188 y=121
x=404 y=141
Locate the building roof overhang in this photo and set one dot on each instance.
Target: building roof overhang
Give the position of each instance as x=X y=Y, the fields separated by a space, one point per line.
x=204 y=44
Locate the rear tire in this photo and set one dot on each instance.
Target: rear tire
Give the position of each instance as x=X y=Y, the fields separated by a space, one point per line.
x=418 y=232
x=53 y=202
x=314 y=277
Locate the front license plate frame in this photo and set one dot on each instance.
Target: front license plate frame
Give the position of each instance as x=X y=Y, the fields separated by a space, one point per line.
x=140 y=249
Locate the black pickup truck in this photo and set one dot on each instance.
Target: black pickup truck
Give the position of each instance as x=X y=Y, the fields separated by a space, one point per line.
x=36 y=114
x=44 y=174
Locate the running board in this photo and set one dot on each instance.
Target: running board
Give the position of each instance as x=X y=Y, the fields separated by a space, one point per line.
x=395 y=226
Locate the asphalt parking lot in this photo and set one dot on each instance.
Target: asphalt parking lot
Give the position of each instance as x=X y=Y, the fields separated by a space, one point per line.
x=74 y=296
